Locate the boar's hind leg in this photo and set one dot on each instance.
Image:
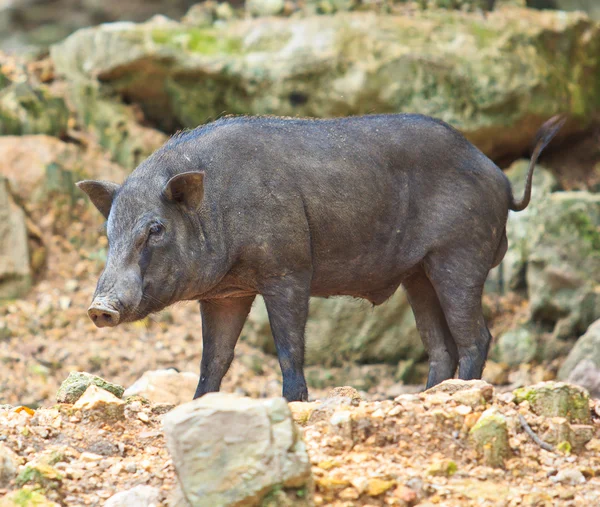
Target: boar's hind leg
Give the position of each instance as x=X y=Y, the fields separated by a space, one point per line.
x=432 y=326
x=222 y=322
x=458 y=280
x=287 y=301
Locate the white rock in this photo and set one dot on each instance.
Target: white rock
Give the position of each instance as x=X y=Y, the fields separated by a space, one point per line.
x=569 y=476
x=231 y=450
x=165 y=386
x=100 y=404
x=140 y=496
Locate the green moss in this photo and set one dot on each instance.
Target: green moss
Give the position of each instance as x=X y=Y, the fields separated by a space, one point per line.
x=588 y=231
x=43 y=475
x=196 y=40
x=27 y=497
x=564 y=447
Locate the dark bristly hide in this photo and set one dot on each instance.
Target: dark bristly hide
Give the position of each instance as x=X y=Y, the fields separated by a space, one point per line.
x=293 y=208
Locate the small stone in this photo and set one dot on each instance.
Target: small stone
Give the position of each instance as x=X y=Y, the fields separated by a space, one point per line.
x=224 y=11
x=97 y=403
x=143 y=416
x=395 y=411
x=376 y=487
x=463 y=410
x=360 y=484
x=77 y=382
x=442 y=468
x=345 y=392
x=348 y=494
x=407 y=495
x=131 y=468
x=453 y=386
x=8 y=465
x=140 y=496
x=470 y=397
x=556 y=399
x=495 y=373
x=264 y=7
x=340 y=417
x=301 y=411
x=90 y=457
x=490 y=437
x=569 y=476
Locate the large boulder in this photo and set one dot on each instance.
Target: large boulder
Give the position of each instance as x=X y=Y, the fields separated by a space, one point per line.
x=592 y=7
x=343 y=329
x=234 y=451
x=15 y=270
x=494 y=78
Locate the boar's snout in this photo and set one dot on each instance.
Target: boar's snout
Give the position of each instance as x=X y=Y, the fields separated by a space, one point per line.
x=103 y=315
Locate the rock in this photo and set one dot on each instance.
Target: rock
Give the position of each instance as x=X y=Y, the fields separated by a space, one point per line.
x=229 y=450
x=560 y=431
x=345 y=392
x=589 y=6
x=586 y=349
x=165 y=386
x=26 y=106
x=495 y=373
x=96 y=403
x=587 y=375
x=564 y=268
x=442 y=468
x=26 y=497
x=8 y=465
x=376 y=487
x=140 y=496
x=15 y=271
x=264 y=7
x=490 y=437
x=341 y=330
x=515 y=347
x=470 y=397
x=556 y=399
x=38 y=166
x=301 y=411
x=77 y=382
x=570 y=476
x=260 y=66
x=511 y=274
x=39 y=474
x=454 y=386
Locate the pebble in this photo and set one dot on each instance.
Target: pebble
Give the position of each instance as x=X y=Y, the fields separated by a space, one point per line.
x=569 y=476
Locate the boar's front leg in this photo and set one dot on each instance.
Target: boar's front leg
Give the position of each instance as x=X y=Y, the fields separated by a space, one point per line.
x=222 y=322
x=287 y=301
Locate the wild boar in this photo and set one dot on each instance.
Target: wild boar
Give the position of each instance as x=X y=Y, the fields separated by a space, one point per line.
x=293 y=208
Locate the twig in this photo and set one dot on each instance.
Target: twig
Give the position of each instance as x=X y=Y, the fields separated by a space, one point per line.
x=544 y=445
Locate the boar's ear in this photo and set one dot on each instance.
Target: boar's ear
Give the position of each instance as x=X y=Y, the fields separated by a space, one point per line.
x=186 y=188
x=101 y=193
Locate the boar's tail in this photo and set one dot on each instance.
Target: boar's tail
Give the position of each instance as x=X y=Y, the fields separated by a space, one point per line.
x=544 y=136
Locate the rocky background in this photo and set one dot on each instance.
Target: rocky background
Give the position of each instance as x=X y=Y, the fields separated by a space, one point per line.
x=79 y=99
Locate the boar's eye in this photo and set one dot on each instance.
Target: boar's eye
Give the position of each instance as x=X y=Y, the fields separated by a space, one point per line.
x=155 y=230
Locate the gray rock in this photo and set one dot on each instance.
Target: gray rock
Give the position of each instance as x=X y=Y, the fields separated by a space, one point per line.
x=77 y=382
x=228 y=450
x=515 y=347
x=264 y=7
x=342 y=329
x=165 y=386
x=140 y=496
x=15 y=271
x=586 y=374
x=587 y=348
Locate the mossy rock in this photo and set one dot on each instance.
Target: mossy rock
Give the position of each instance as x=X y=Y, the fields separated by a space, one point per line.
x=76 y=384
x=26 y=497
x=489 y=436
x=26 y=106
x=556 y=399
x=452 y=65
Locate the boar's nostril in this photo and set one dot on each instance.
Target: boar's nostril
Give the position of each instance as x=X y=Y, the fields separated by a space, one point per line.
x=103 y=316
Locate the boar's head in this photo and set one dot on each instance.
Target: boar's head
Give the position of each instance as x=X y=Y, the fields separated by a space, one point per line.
x=155 y=240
